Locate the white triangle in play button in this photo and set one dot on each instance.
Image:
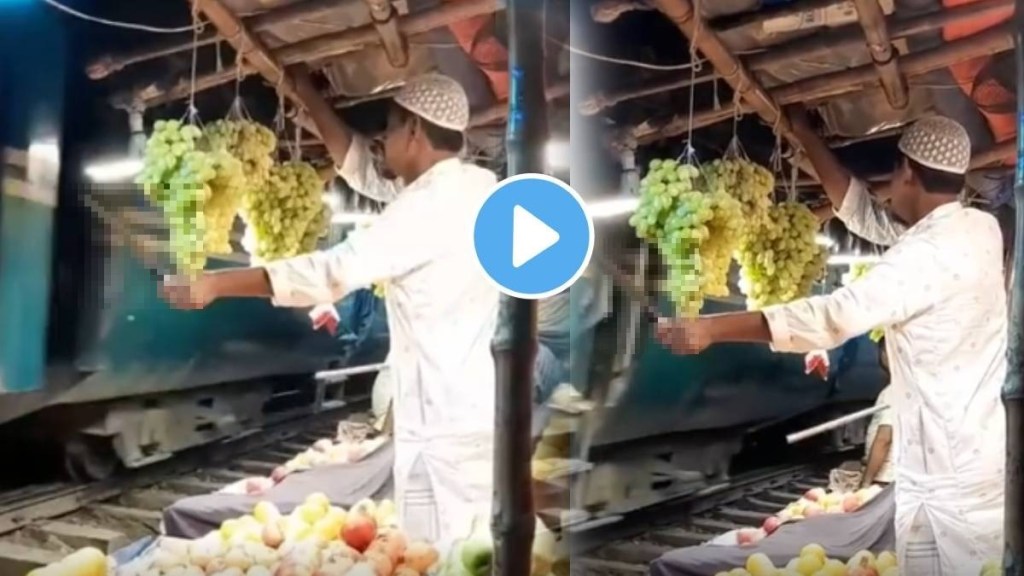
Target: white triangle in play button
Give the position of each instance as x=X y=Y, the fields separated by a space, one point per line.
x=530 y=236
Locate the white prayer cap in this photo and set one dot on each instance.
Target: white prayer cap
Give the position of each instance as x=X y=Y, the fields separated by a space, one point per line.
x=939 y=143
x=437 y=99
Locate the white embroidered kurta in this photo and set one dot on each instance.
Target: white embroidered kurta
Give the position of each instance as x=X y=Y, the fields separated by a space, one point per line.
x=884 y=418
x=940 y=295
x=442 y=313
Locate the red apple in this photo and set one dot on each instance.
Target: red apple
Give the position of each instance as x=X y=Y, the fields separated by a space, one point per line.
x=850 y=503
x=771 y=524
x=813 y=509
x=278 y=474
x=359 y=531
x=749 y=536
x=815 y=494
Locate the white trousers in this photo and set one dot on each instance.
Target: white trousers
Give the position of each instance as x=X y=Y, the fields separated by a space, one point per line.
x=922 y=550
x=418 y=505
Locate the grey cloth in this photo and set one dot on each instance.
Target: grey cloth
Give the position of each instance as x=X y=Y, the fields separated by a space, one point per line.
x=344 y=485
x=842 y=535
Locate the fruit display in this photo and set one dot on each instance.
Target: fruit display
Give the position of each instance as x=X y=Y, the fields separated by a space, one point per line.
x=678 y=213
x=818 y=501
x=323 y=452
x=780 y=260
x=285 y=213
x=176 y=178
x=473 y=555
x=751 y=184
x=84 y=562
x=857 y=271
x=316 y=539
x=814 y=561
x=251 y=143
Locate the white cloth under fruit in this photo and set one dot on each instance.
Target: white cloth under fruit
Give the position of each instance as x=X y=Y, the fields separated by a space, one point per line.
x=884 y=418
x=442 y=313
x=939 y=293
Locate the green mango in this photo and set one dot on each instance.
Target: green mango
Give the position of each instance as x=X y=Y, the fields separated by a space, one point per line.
x=477 y=556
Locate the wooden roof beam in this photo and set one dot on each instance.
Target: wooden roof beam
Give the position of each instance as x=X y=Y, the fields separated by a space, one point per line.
x=294 y=83
x=884 y=55
x=696 y=30
x=326 y=46
x=819 y=88
x=385 y=20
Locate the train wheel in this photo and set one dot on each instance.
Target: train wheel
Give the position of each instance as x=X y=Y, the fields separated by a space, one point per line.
x=89 y=458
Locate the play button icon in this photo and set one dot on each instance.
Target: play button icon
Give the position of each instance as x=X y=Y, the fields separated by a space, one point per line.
x=533 y=236
x=530 y=236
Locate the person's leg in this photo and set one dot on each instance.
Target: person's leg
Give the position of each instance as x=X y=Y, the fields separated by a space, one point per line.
x=922 y=550
x=546 y=377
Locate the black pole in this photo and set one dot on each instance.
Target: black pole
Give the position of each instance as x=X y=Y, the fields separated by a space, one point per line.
x=513 y=518
x=1012 y=388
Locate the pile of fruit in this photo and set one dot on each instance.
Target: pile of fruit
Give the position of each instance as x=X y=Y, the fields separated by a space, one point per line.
x=84 y=562
x=316 y=538
x=815 y=502
x=700 y=219
x=203 y=178
x=473 y=555
x=323 y=452
x=813 y=561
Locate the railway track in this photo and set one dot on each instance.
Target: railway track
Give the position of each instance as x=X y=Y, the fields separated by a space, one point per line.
x=42 y=523
x=626 y=547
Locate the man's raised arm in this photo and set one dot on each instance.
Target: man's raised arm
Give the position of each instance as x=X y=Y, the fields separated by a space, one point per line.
x=849 y=196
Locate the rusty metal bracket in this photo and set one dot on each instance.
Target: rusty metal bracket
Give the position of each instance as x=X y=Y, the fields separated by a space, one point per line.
x=385 y=20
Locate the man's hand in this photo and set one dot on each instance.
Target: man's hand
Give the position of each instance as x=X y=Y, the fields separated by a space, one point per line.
x=817 y=363
x=325 y=316
x=684 y=335
x=186 y=293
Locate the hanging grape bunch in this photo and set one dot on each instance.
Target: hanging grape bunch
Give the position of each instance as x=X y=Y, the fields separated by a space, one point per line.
x=176 y=178
x=251 y=143
x=780 y=260
x=673 y=214
x=227 y=189
x=282 y=211
x=724 y=233
x=858 y=271
x=317 y=230
x=751 y=184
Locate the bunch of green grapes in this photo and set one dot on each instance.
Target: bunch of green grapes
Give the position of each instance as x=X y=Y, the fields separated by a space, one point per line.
x=317 y=229
x=176 y=177
x=251 y=143
x=724 y=233
x=857 y=271
x=751 y=184
x=284 y=209
x=673 y=214
x=780 y=260
x=227 y=189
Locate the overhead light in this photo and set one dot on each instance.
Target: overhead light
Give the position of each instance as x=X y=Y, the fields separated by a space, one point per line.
x=851 y=259
x=115 y=171
x=822 y=240
x=556 y=153
x=612 y=207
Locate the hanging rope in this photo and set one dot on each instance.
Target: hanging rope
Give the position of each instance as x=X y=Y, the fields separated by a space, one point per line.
x=238 y=110
x=193 y=113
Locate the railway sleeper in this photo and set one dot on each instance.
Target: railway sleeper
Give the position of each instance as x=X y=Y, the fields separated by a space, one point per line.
x=678 y=537
x=642 y=553
x=192 y=487
x=742 y=516
x=20 y=559
x=80 y=536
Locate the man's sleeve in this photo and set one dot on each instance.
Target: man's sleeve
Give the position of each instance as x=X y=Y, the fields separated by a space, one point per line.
x=865 y=218
x=888 y=416
x=360 y=173
x=382 y=251
x=894 y=290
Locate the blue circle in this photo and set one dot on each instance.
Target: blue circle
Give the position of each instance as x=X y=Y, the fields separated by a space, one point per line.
x=556 y=205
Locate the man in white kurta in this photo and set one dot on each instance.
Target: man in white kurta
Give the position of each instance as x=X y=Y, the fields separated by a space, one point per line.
x=939 y=293
x=442 y=311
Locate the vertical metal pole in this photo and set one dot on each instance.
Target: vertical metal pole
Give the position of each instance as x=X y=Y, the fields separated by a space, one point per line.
x=513 y=520
x=1014 y=522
